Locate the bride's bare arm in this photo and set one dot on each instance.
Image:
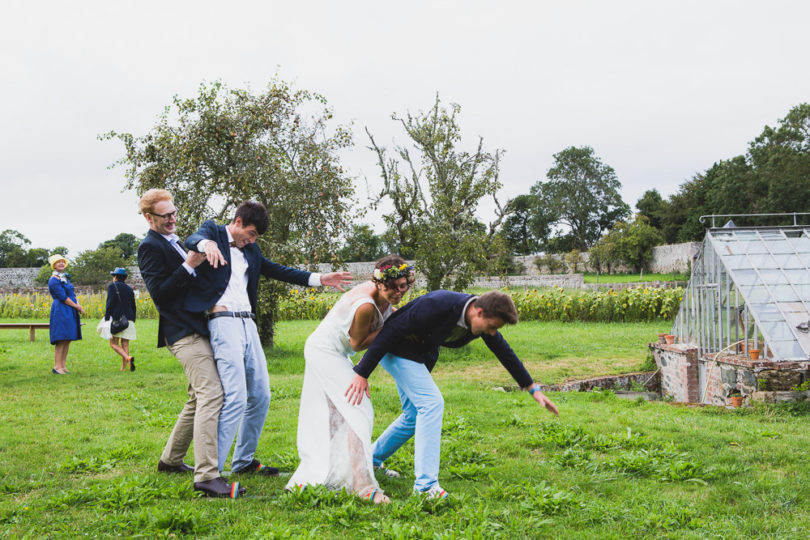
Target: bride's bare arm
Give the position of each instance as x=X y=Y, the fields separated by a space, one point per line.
x=359 y=335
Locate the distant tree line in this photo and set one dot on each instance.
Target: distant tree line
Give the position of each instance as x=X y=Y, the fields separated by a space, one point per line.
x=90 y=267
x=280 y=146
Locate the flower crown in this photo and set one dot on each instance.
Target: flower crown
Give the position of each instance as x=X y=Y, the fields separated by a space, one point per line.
x=393 y=272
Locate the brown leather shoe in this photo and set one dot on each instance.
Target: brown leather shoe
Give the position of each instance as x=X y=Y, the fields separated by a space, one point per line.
x=218 y=487
x=256 y=467
x=182 y=468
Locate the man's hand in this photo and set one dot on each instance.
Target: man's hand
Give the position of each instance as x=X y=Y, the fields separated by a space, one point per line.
x=194 y=258
x=336 y=279
x=214 y=255
x=356 y=390
x=540 y=398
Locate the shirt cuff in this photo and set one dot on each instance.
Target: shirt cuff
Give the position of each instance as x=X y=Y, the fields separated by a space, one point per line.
x=315 y=280
x=201 y=244
x=189 y=269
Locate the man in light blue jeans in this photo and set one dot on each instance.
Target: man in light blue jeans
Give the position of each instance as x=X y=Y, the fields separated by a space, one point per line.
x=408 y=348
x=422 y=411
x=226 y=290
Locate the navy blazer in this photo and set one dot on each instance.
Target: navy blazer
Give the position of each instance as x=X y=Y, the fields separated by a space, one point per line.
x=210 y=284
x=121 y=302
x=168 y=282
x=417 y=330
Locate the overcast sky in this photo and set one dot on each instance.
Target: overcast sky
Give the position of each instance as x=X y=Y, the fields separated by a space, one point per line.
x=660 y=90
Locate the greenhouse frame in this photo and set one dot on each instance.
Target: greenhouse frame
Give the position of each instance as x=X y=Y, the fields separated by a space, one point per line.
x=749 y=291
x=743 y=326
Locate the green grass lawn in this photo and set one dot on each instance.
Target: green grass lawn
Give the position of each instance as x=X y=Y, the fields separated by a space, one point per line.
x=590 y=277
x=78 y=453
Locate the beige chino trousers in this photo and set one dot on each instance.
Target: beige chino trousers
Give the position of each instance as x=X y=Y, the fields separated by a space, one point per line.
x=200 y=415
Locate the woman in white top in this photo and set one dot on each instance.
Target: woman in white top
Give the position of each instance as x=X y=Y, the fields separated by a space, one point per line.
x=334 y=437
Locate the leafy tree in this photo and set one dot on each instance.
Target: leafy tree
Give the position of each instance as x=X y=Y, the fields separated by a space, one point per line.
x=573 y=259
x=600 y=256
x=551 y=263
x=36 y=257
x=770 y=178
x=520 y=227
x=582 y=194
x=650 y=205
x=435 y=190
x=127 y=243
x=780 y=157
x=43 y=275
x=362 y=245
x=13 y=246
x=630 y=243
x=228 y=145
x=93 y=267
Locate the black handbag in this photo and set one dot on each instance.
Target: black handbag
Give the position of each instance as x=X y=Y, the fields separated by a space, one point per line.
x=121 y=323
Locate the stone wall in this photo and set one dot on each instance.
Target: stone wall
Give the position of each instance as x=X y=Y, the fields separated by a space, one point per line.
x=674 y=258
x=11 y=278
x=22 y=280
x=754 y=379
x=679 y=371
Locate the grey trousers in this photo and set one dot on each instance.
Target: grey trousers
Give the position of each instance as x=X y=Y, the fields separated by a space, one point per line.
x=200 y=415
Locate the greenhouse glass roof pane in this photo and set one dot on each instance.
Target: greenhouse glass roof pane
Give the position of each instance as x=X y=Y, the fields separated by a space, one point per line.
x=789 y=261
x=737 y=261
x=773 y=277
x=805 y=258
x=788 y=350
x=784 y=293
x=746 y=277
x=803 y=291
x=797 y=276
x=793 y=307
x=758 y=295
x=764 y=261
x=755 y=247
x=743 y=234
x=780 y=246
x=801 y=244
x=770 y=235
x=770 y=313
x=777 y=331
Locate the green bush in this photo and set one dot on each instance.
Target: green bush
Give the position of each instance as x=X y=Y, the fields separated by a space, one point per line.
x=555 y=304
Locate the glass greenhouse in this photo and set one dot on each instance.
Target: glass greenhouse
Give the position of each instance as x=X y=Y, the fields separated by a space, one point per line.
x=749 y=291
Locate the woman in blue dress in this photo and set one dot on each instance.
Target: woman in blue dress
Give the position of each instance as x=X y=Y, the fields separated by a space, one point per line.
x=65 y=326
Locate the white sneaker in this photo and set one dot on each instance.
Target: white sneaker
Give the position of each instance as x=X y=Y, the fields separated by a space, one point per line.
x=436 y=492
x=387 y=472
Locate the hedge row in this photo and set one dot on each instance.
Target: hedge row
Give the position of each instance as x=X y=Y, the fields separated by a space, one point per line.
x=555 y=304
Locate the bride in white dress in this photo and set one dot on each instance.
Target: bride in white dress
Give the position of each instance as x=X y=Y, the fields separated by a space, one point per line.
x=334 y=437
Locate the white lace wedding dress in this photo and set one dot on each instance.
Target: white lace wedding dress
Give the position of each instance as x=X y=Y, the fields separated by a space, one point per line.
x=334 y=438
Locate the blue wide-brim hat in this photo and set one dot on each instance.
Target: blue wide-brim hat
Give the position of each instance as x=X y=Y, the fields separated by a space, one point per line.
x=119 y=272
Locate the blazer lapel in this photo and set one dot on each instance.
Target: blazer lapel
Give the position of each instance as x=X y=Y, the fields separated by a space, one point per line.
x=224 y=245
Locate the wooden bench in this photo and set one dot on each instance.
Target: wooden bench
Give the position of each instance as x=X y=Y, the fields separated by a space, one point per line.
x=31 y=327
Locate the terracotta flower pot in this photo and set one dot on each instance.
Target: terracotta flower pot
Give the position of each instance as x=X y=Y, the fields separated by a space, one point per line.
x=670 y=339
x=753 y=353
x=662 y=337
x=736 y=401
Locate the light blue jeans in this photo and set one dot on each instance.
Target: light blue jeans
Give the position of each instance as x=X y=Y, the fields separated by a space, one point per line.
x=242 y=369
x=422 y=411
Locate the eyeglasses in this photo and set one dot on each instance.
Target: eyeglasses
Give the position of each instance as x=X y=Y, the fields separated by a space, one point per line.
x=167 y=216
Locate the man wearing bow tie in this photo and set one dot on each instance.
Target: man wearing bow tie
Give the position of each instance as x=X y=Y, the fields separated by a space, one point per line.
x=225 y=291
x=168 y=271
